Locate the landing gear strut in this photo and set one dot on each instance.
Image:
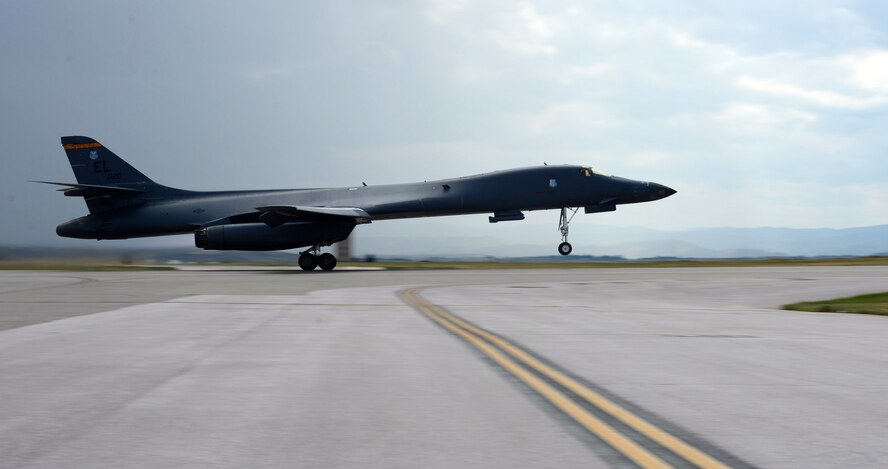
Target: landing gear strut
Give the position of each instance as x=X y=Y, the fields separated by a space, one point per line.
x=310 y=259
x=563 y=225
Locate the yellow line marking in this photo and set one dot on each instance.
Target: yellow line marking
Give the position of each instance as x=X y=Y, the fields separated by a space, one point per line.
x=653 y=432
x=349 y=305
x=79 y=146
x=618 y=441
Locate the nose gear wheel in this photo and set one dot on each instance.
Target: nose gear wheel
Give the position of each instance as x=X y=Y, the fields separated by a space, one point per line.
x=564 y=226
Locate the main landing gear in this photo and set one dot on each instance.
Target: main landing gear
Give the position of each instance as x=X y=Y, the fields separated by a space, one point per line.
x=310 y=259
x=563 y=225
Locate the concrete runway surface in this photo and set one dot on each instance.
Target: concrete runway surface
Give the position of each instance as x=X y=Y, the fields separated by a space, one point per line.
x=505 y=368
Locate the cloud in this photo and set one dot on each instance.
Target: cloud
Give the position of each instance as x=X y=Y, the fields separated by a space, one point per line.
x=822 y=80
x=566 y=118
x=578 y=73
x=533 y=21
x=524 y=31
x=440 y=11
x=517 y=29
x=869 y=69
x=820 y=97
x=649 y=158
x=754 y=116
x=259 y=75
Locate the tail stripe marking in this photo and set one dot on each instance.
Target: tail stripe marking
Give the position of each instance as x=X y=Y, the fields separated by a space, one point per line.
x=78 y=146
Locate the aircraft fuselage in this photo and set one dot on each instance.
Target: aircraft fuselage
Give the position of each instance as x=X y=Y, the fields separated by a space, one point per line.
x=124 y=203
x=167 y=211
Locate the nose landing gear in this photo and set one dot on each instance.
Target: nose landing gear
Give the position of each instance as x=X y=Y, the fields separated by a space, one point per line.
x=310 y=259
x=563 y=226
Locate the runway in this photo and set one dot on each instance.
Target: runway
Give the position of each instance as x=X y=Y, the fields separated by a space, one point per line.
x=520 y=368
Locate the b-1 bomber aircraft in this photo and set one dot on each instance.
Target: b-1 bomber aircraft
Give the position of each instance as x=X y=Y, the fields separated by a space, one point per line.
x=124 y=203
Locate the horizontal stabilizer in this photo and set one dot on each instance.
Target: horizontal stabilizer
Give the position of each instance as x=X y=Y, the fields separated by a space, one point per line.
x=91 y=190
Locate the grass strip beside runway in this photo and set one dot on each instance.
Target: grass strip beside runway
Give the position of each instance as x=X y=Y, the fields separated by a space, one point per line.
x=875 y=303
x=568 y=263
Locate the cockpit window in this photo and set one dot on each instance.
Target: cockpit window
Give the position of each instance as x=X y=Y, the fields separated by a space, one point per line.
x=586 y=171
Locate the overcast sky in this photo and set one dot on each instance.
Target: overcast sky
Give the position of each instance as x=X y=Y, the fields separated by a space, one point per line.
x=758 y=113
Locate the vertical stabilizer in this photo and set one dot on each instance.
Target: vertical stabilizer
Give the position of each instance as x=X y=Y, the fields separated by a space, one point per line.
x=93 y=163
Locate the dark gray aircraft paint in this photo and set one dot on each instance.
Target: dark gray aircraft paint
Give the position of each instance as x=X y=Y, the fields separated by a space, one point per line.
x=124 y=203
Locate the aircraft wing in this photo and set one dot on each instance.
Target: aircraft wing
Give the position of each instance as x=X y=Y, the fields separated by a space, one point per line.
x=90 y=190
x=302 y=210
x=275 y=215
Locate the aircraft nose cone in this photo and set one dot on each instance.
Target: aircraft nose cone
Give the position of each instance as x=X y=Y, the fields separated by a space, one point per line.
x=659 y=191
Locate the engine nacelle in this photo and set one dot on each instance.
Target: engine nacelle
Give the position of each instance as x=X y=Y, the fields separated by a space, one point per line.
x=261 y=237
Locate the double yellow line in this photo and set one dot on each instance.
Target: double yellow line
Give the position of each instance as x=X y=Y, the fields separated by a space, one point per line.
x=529 y=370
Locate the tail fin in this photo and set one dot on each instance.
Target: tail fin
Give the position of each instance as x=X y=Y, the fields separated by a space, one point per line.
x=104 y=180
x=94 y=164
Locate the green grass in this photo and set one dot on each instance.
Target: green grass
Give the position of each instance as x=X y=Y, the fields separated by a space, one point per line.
x=875 y=303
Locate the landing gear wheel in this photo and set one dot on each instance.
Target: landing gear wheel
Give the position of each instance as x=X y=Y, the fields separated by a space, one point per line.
x=563 y=226
x=327 y=261
x=308 y=261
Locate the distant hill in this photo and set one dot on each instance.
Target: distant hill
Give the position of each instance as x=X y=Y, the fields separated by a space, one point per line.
x=636 y=243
